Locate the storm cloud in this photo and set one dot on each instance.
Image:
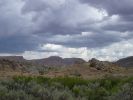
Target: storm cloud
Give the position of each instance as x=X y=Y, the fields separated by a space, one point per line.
x=26 y=25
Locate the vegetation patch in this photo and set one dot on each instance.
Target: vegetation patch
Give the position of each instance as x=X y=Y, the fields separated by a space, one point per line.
x=66 y=88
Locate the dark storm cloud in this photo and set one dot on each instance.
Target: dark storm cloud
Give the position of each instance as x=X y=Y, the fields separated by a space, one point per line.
x=53 y=17
x=91 y=41
x=63 y=18
x=15 y=29
x=121 y=7
x=120 y=27
x=17 y=44
x=25 y=24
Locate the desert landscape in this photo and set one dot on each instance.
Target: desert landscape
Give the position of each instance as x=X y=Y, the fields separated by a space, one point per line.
x=56 y=66
x=56 y=78
x=66 y=49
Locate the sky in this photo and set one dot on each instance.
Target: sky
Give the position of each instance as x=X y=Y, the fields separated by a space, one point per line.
x=101 y=29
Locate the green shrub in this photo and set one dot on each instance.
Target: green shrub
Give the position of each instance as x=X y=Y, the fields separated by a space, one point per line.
x=66 y=88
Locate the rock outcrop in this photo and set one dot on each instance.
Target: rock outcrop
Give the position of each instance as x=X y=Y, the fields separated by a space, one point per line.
x=102 y=65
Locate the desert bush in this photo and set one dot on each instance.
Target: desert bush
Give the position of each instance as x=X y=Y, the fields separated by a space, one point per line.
x=66 y=88
x=3 y=91
x=125 y=93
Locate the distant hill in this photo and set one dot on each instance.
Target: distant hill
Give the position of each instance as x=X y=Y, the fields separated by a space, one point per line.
x=55 y=61
x=68 y=66
x=125 y=62
x=69 y=61
x=13 y=58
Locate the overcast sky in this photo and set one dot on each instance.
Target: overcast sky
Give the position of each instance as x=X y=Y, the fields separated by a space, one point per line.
x=101 y=29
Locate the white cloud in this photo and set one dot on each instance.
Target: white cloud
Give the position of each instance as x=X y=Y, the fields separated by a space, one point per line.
x=57 y=50
x=111 y=53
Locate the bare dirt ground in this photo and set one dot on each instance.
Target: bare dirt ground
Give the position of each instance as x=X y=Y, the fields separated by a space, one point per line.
x=75 y=71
